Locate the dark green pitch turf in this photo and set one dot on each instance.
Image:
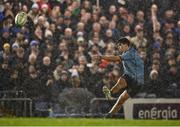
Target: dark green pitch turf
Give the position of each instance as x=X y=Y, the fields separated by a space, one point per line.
x=84 y=122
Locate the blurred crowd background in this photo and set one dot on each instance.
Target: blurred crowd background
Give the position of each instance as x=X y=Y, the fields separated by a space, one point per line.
x=55 y=54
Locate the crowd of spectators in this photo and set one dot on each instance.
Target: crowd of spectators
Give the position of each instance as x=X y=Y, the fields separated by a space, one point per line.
x=59 y=45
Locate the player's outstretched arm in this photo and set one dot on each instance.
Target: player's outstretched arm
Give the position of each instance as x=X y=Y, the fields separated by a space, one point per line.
x=111 y=58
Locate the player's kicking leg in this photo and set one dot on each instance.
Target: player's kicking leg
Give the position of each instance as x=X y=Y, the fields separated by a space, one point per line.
x=122 y=98
x=121 y=83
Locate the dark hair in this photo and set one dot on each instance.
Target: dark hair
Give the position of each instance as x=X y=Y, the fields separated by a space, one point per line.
x=123 y=40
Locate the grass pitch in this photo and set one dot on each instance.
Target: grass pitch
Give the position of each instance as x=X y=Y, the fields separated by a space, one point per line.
x=84 y=122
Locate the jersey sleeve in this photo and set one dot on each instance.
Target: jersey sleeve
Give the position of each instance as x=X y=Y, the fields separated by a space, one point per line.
x=127 y=56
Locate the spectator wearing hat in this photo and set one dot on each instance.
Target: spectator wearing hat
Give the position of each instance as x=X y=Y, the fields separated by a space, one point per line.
x=45 y=8
x=75 y=80
x=6 y=48
x=154 y=86
x=156 y=47
x=34 y=49
x=81 y=29
x=5 y=55
x=14 y=47
x=34 y=43
x=80 y=39
x=34 y=13
x=65 y=80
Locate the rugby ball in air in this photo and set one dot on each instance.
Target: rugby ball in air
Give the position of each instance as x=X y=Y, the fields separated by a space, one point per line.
x=21 y=19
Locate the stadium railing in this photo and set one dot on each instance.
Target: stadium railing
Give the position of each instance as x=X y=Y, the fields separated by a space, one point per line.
x=15 y=103
x=101 y=106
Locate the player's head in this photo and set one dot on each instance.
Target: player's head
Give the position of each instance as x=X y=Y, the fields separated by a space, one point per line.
x=123 y=44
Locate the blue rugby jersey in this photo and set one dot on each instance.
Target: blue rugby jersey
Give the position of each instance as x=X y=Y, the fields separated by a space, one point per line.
x=133 y=65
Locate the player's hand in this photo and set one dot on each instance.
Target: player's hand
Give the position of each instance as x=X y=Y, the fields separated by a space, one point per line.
x=107 y=93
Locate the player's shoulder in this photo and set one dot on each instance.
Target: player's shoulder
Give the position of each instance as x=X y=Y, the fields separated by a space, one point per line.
x=131 y=50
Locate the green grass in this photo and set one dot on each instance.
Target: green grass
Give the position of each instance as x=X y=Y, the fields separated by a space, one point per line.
x=83 y=122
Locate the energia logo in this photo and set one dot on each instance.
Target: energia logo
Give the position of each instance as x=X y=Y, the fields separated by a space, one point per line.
x=156 y=111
